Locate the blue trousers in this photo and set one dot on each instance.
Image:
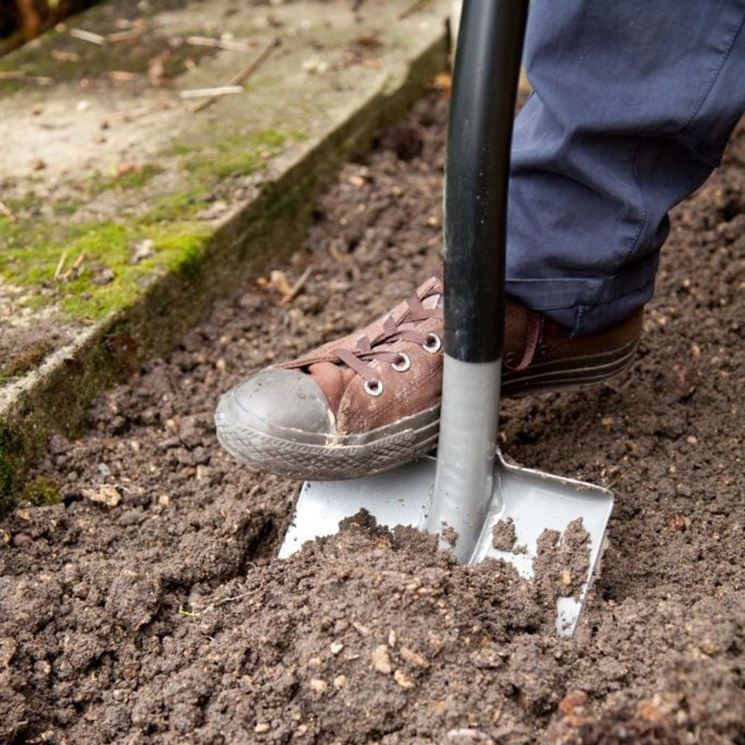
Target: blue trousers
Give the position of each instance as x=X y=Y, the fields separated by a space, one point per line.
x=633 y=104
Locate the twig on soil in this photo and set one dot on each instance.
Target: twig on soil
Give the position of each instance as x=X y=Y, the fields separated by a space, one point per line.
x=75 y=266
x=213 y=606
x=240 y=77
x=63 y=56
x=60 y=264
x=21 y=77
x=89 y=36
x=224 y=90
x=344 y=258
x=137 y=111
x=416 y=6
x=231 y=599
x=361 y=628
x=123 y=76
x=229 y=44
x=7 y=212
x=295 y=289
x=128 y=114
x=129 y=35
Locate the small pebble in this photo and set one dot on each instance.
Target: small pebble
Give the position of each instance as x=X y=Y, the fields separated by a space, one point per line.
x=318 y=686
x=403 y=680
x=573 y=700
x=381 y=660
x=413 y=657
x=22 y=539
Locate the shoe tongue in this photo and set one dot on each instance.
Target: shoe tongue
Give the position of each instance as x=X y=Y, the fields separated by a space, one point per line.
x=332 y=380
x=433 y=301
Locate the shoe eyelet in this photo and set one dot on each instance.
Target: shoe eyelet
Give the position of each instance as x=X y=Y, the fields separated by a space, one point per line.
x=433 y=344
x=402 y=364
x=373 y=387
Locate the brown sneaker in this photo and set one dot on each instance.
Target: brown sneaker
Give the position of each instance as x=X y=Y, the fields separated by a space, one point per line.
x=371 y=400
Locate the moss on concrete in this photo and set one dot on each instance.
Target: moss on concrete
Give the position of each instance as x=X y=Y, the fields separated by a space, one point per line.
x=134 y=179
x=87 y=268
x=235 y=155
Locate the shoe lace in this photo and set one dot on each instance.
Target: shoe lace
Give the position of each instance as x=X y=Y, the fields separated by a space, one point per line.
x=533 y=336
x=366 y=350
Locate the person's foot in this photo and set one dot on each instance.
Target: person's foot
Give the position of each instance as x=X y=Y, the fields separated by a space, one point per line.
x=371 y=400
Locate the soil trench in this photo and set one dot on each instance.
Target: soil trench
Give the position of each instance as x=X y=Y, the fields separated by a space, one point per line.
x=145 y=605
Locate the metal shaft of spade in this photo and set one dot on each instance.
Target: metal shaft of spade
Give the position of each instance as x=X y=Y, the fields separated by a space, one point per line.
x=485 y=81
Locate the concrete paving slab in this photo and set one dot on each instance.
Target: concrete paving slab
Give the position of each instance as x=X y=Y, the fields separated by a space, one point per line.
x=130 y=198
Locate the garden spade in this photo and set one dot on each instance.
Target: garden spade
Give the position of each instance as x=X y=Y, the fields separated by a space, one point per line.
x=463 y=493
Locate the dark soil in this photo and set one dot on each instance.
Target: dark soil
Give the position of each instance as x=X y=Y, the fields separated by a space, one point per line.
x=146 y=606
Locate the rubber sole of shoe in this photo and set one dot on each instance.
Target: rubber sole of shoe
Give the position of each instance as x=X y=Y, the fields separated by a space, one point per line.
x=348 y=457
x=573 y=373
x=341 y=459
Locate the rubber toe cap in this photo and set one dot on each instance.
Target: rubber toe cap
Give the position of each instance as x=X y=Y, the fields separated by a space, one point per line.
x=279 y=402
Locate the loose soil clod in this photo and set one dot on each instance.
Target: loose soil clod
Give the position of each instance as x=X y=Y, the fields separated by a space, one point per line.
x=563 y=560
x=163 y=619
x=503 y=535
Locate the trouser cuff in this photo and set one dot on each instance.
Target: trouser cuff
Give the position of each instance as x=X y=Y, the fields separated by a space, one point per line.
x=586 y=305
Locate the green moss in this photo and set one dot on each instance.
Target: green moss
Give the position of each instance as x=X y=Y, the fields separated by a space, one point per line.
x=66 y=207
x=179 y=148
x=235 y=155
x=175 y=207
x=19 y=204
x=96 y=247
x=7 y=472
x=135 y=179
x=40 y=491
x=87 y=267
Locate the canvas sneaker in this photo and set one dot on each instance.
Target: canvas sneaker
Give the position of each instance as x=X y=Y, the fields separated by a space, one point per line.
x=371 y=400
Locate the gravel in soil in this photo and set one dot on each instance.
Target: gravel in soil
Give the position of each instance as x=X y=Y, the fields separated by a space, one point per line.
x=145 y=607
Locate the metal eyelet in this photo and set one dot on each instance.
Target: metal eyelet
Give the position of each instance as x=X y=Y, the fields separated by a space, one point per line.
x=373 y=387
x=402 y=364
x=433 y=344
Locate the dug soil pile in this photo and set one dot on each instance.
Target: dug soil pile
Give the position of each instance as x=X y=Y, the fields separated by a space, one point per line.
x=145 y=607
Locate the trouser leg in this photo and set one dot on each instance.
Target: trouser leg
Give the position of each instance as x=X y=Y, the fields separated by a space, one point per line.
x=632 y=107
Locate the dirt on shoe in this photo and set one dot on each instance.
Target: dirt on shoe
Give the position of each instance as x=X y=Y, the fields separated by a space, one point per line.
x=145 y=607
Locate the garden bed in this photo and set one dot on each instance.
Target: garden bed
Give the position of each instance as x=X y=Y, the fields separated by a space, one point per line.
x=142 y=604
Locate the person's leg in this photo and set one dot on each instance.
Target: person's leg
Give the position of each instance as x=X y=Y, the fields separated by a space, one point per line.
x=633 y=104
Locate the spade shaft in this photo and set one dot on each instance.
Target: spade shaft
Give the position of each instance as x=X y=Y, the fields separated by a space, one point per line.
x=485 y=80
x=470 y=489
